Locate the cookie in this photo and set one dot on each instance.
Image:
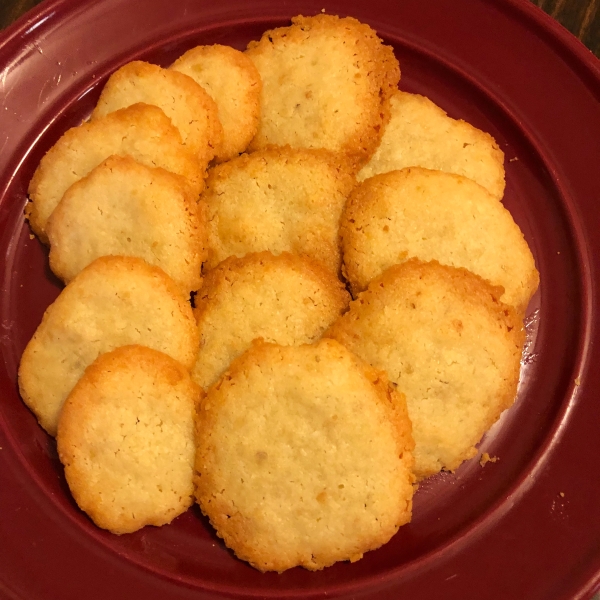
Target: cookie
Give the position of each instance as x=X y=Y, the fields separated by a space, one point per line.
x=421 y=134
x=232 y=81
x=188 y=106
x=432 y=215
x=115 y=301
x=326 y=84
x=304 y=457
x=141 y=131
x=448 y=343
x=281 y=200
x=126 y=439
x=283 y=299
x=124 y=208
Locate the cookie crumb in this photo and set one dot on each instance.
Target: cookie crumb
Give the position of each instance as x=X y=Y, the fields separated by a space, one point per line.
x=486 y=458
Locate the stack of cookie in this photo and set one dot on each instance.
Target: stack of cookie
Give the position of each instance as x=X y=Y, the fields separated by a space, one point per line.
x=299 y=420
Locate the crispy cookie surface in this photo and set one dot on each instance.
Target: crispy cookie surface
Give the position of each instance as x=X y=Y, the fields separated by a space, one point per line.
x=421 y=134
x=232 y=81
x=432 y=215
x=281 y=200
x=123 y=208
x=449 y=344
x=126 y=439
x=141 y=131
x=283 y=299
x=188 y=106
x=304 y=457
x=115 y=301
x=326 y=84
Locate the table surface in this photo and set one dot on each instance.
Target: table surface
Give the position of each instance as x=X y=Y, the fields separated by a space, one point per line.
x=580 y=17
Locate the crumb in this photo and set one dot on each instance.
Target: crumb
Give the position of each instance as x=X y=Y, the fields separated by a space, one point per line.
x=322 y=10
x=577 y=381
x=31 y=236
x=562 y=494
x=513 y=159
x=486 y=458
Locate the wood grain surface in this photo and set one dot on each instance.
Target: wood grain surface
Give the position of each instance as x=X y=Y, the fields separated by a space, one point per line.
x=580 y=17
x=11 y=10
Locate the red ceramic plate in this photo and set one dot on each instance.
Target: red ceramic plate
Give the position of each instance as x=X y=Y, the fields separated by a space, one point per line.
x=525 y=527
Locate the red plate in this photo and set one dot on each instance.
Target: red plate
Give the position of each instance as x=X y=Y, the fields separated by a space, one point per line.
x=525 y=527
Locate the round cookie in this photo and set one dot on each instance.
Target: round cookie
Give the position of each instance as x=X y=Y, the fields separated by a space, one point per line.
x=281 y=200
x=115 y=301
x=421 y=134
x=123 y=208
x=283 y=299
x=126 y=439
x=449 y=344
x=188 y=106
x=326 y=84
x=141 y=131
x=304 y=457
x=232 y=81
x=432 y=215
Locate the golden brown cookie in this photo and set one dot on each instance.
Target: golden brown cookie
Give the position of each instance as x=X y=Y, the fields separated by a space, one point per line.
x=188 y=106
x=421 y=134
x=126 y=439
x=304 y=457
x=141 y=131
x=283 y=299
x=432 y=215
x=115 y=301
x=123 y=208
x=232 y=81
x=281 y=200
x=326 y=84
x=449 y=344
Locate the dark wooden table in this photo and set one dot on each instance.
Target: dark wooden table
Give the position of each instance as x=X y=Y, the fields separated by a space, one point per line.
x=580 y=17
